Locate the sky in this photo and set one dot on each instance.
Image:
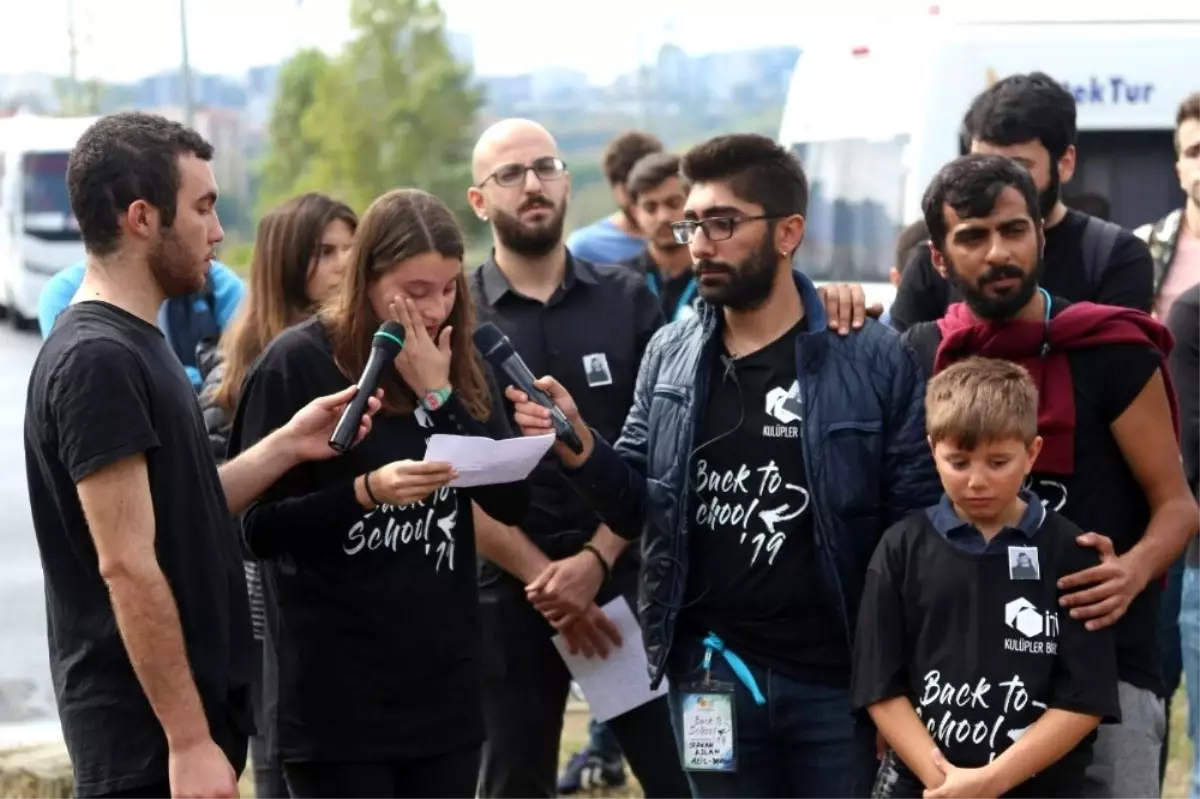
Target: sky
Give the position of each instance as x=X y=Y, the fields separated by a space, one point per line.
x=122 y=40
x=134 y=38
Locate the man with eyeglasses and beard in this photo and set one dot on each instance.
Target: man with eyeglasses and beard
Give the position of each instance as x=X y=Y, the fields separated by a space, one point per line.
x=588 y=325
x=762 y=459
x=1110 y=462
x=1031 y=119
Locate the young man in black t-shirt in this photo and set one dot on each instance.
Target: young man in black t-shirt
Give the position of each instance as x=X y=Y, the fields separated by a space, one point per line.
x=1031 y=119
x=1111 y=461
x=963 y=660
x=150 y=642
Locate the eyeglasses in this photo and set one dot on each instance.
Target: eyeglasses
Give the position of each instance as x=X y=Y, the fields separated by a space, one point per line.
x=546 y=169
x=716 y=228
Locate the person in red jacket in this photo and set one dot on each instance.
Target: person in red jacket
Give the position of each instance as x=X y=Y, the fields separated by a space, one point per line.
x=1110 y=462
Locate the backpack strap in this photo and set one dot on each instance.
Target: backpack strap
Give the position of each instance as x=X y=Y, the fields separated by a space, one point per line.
x=1162 y=241
x=1099 y=239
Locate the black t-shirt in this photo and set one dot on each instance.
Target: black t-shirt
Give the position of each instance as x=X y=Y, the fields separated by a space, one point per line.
x=752 y=574
x=590 y=334
x=374 y=614
x=981 y=654
x=1102 y=495
x=1184 y=322
x=1127 y=280
x=106 y=386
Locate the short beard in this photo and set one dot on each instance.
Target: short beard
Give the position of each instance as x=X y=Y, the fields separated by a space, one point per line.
x=531 y=242
x=1048 y=199
x=750 y=283
x=995 y=309
x=174 y=268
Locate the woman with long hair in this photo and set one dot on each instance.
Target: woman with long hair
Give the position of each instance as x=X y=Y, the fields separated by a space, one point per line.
x=369 y=560
x=299 y=257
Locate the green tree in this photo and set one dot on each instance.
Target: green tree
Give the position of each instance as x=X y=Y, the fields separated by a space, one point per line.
x=396 y=109
x=287 y=167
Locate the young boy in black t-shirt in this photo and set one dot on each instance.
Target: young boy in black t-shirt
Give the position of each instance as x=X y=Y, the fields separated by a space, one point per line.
x=963 y=660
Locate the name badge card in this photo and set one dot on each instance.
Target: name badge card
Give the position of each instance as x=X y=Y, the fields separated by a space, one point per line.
x=707 y=715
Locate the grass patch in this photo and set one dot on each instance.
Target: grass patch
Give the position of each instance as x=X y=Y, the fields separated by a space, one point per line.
x=1179 y=760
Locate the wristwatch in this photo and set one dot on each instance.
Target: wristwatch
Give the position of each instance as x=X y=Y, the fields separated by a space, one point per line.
x=435 y=398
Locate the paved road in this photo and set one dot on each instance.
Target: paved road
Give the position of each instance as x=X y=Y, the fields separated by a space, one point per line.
x=25 y=693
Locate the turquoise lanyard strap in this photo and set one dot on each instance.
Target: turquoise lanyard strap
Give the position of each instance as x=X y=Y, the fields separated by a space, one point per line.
x=685 y=299
x=1045 y=323
x=714 y=644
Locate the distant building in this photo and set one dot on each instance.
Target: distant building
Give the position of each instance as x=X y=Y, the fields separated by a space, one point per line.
x=260 y=97
x=225 y=130
x=210 y=91
x=30 y=90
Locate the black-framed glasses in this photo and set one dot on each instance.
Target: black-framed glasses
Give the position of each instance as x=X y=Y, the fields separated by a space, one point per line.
x=547 y=168
x=716 y=228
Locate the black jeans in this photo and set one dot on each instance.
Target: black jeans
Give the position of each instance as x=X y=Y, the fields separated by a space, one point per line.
x=268 y=771
x=525 y=690
x=448 y=776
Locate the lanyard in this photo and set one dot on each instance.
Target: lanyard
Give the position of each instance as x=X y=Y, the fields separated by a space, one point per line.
x=685 y=299
x=713 y=643
x=1045 y=324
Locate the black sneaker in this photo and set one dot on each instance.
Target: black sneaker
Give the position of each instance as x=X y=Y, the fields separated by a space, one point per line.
x=586 y=772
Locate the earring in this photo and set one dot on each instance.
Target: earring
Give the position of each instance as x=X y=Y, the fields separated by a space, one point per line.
x=483 y=217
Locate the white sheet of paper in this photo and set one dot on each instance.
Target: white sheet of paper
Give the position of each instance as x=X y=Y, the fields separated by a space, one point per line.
x=485 y=461
x=619 y=683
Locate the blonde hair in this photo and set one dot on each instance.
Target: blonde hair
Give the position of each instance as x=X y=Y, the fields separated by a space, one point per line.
x=981 y=399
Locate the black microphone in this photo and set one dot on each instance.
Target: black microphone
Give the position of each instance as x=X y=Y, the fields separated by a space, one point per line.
x=499 y=352
x=385 y=346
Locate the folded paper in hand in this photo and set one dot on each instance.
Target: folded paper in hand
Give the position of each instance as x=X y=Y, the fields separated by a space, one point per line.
x=615 y=685
x=483 y=461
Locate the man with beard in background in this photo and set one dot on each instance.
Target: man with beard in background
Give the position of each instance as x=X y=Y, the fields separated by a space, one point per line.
x=589 y=326
x=1110 y=462
x=1031 y=119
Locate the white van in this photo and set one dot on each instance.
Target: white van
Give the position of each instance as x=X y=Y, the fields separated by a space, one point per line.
x=873 y=115
x=38 y=233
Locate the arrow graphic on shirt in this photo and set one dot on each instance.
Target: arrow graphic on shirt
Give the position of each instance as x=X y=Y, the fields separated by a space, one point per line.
x=1015 y=735
x=773 y=516
x=774 y=538
x=445 y=549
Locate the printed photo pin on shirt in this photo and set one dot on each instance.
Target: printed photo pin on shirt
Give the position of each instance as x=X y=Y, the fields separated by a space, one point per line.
x=1023 y=564
x=595 y=366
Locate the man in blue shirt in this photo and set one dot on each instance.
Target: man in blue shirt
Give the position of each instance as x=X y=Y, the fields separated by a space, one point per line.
x=185 y=321
x=616 y=237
